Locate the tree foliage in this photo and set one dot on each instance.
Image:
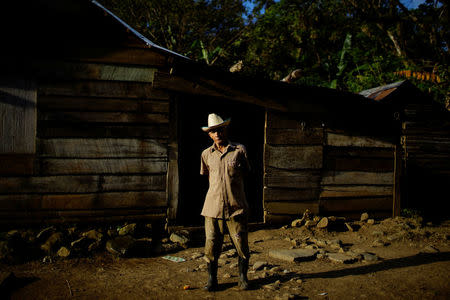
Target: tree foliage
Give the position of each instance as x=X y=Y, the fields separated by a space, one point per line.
x=344 y=44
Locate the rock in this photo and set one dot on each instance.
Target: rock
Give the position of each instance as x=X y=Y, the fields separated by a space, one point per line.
x=275 y=269
x=370 y=221
x=233 y=265
x=13 y=234
x=127 y=229
x=202 y=266
x=63 y=252
x=196 y=255
x=259 y=265
x=178 y=238
x=47 y=259
x=319 y=242
x=377 y=233
x=231 y=253
x=364 y=217
x=369 y=256
x=396 y=236
x=316 y=219
x=93 y=235
x=120 y=245
x=94 y=246
x=263 y=275
x=297 y=223
x=71 y=231
x=52 y=242
x=349 y=227
x=310 y=223
x=285 y=227
x=293 y=255
x=223 y=262
x=429 y=249
x=323 y=223
x=321 y=255
x=45 y=233
x=296 y=242
x=80 y=244
x=335 y=244
x=112 y=233
x=378 y=243
x=341 y=258
x=311 y=247
x=227 y=275
x=273 y=286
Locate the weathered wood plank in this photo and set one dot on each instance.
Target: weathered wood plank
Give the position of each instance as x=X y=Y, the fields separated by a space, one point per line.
x=356 y=204
x=359 y=152
x=17 y=164
x=333 y=191
x=93 y=130
x=102 y=117
x=293 y=157
x=93 y=71
x=110 y=89
x=336 y=178
x=80 y=184
x=173 y=180
x=84 y=201
x=55 y=166
x=306 y=136
x=64 y=103
x=97 y=148
x=293 y=208
x=359 y=164
x=291 y=179
x=342 y=140
x=137 y=56
x=272 y=194
x=398 y=174
x=17 y=116
x=279 y=120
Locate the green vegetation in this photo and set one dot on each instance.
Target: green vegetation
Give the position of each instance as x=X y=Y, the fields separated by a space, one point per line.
x=344 y=44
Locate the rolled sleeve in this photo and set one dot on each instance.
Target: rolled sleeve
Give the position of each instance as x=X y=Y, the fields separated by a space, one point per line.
x=203 y=167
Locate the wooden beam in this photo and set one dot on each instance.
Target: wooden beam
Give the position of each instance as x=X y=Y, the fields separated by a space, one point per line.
x=337 y=191
x=397 y=190
x=356 y=204
x=102 y=117
x=17 y=164
x=359 y=164
x=352 y=177
x=306 y=136
x=292 y=179
x=343 y=140
x=293 y=157
x=173 y=180
x=276 y=194
x=293 y=208
x=57 y=166
x=98 y=148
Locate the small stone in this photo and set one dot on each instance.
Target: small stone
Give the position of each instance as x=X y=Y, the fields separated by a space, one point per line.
x=316 y=218
x=227 y=275
x=295 y=242
x=178 y=238
x=319 y=242
x=370 y=221
x=93 y=235
x=165 y=240
x=297 y=223
x=121 y=245
x=310 y=223
x=63 y=252
x=378 y=243
x=369 y=256
x=323 y=223
x=311 y=247
x=45 y=233
x=52 y=242
x=127 y=229
x=293 y=255
x=299 y=281
x=263 y=275
x=47 y=259
x=259 y=265
x=196 y=255
x=430 y=249
x=341 y=258
x=396 y=236
x=349 y=227
x=202 y=266
x=285 y=227
x=231 y=253
x=377 y=233
x=223 y=261
x=341 y=250
x=233 y=265
x=275 y=269
x=287 y=239
x=364 y=217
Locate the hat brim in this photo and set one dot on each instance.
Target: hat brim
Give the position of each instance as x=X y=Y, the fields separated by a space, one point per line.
x=223 y=124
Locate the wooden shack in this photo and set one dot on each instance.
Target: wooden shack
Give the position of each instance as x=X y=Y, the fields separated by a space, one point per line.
x=101 y=124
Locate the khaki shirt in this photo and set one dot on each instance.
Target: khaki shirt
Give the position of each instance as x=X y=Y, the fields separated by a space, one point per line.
x=226 y=195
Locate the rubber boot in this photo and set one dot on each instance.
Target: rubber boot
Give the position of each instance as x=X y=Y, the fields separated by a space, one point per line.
x=243 y=268
x=212 y=284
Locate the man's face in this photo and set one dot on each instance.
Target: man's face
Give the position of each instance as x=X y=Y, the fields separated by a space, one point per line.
x=219 y=135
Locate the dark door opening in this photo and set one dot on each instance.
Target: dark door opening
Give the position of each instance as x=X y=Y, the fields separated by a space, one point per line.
x=246 y=127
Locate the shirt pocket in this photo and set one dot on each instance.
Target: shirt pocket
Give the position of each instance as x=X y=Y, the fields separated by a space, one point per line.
x=234 y=167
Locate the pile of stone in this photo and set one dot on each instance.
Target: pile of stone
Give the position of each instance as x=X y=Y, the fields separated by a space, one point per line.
x=53 y=242
x=309 y=221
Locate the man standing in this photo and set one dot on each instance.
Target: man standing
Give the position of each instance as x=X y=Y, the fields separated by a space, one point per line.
x=225 y=205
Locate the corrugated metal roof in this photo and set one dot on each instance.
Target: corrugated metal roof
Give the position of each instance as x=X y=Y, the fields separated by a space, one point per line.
x=380 y=92
x=136 y=33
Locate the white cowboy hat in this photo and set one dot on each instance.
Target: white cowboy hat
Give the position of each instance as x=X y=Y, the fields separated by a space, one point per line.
x=215 y=121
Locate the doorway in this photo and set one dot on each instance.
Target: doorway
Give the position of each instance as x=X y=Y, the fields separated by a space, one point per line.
x=246 y=127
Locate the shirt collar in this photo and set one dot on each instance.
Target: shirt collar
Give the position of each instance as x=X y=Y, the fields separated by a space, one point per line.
x=229 y=147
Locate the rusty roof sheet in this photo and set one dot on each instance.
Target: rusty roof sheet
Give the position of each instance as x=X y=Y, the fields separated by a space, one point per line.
x=381 y=92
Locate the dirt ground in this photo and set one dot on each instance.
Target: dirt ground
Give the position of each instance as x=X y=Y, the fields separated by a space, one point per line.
x=413 y=263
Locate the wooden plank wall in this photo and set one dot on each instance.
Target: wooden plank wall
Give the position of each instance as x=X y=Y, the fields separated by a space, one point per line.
x=358 y=174
x=331 y=172
x=101 y=143
x=293 y=153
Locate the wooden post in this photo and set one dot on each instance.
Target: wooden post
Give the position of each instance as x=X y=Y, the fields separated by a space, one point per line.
x=172 y=172
x=397 y=179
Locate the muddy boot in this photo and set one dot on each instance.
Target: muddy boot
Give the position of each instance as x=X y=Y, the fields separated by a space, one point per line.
x=212 y=279
x=243 y=268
